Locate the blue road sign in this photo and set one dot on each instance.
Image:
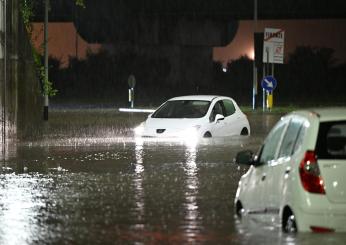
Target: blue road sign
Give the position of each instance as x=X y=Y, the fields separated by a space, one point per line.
x=269 y=83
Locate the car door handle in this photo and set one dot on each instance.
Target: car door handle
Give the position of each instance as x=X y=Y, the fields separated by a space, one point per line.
x=287 y=172
x=263 y=177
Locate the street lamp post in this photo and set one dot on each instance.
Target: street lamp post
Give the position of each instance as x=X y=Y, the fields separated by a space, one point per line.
x=45 y=89
x=254 y=85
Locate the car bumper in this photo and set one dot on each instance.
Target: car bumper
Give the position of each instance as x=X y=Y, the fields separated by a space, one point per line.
x=188 y=134
x=328 y=219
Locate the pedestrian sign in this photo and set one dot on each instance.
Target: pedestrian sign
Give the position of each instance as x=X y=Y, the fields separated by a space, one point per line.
x=269 y=83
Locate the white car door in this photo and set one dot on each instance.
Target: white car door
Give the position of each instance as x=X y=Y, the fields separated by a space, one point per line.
x=280 y=168
x=268 y=158
x=233 y=121
x=231 y=124
x=217 y=127
x=252 y=191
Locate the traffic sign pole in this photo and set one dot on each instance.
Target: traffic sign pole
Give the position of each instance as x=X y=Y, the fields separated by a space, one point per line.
x=263 y=90
x=270 y=101
x=273 y=44
x=272 y=92
x=267 y=73
x=132 y=82
x=254 y=67
x=268 y=84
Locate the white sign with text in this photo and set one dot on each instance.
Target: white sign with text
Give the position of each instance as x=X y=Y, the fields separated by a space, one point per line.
x=273 y=45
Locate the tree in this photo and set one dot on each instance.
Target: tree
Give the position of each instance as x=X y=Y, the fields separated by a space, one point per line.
x=27 y=11
x=237 y=81
x=310 y=69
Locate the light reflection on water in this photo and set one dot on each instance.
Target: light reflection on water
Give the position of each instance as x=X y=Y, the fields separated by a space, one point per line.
x=124 y=190
x=138 y=181
x=20 y=205
x=192 y=225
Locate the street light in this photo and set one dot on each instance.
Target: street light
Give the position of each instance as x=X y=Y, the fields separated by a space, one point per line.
x=254 y=84
x=45 y=90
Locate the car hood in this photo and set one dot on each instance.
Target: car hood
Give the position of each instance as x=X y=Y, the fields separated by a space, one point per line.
x=169 y=127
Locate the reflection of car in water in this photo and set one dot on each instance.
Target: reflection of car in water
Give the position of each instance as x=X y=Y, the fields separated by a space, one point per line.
x=297 y=180
x=195 y=116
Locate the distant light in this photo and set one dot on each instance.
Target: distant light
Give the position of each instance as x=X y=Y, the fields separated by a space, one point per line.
x=251 y=53
x=224 y=69
x=136 y=110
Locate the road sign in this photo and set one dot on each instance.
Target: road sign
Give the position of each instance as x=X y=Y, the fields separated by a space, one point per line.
x=273 y=46
x=131 y=81
x=269 y=83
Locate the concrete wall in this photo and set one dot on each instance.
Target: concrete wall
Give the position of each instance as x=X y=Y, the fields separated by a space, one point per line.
x=20 y=97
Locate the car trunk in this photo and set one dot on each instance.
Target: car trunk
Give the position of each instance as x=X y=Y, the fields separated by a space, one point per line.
x=331 y=153
x=333 y=173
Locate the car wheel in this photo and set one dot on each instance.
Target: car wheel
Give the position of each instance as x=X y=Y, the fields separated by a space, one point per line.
x=244 y=131
x=207 y=135
x=289 y=223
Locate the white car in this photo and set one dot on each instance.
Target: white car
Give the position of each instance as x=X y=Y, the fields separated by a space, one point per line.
x=195 y=116
x=297 y=181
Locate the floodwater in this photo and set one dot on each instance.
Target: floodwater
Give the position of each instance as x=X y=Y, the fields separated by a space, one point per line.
x=110 y=188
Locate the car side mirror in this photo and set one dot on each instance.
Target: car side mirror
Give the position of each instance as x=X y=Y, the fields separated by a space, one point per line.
x=245 y=157
x=219 y=117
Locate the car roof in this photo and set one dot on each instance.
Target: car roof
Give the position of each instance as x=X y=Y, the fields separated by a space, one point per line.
x=325 y=114
x=331 y=113
x=199 y=97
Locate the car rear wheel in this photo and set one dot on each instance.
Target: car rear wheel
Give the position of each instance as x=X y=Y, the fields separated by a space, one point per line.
x=289 y=224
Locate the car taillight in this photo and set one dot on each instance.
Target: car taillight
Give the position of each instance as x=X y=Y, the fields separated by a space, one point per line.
x=310 y=174
x=320 y=229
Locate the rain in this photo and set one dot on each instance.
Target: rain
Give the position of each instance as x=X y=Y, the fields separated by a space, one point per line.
x=72 y=170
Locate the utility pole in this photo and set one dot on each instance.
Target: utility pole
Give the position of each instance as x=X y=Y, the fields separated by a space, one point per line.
x=76 y=36
x=45 y=90
x=4 y=86
x=254 y=84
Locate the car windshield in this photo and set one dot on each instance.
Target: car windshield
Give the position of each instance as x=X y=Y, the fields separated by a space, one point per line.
x=182 y=109
x=331 y=142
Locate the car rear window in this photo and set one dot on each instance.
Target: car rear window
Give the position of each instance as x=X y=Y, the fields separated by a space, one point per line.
x=331 y=141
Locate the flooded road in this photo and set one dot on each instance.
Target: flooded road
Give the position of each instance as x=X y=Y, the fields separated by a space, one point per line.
x=96 y=184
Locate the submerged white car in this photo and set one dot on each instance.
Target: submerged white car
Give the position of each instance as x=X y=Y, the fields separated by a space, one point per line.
x=298 y=178
x=195 y=116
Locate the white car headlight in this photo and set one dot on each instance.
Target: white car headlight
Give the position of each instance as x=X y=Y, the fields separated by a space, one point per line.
x=191 y=132
x=139 y=129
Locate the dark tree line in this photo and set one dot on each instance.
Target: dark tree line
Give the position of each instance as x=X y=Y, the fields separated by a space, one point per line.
x=312 y=76
x=102 y=78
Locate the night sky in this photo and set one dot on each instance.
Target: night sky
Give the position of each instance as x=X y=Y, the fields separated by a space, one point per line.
x=62 y=46
x=321 y=33
x=316 y=33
